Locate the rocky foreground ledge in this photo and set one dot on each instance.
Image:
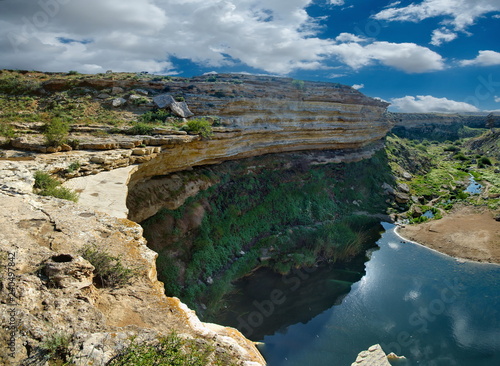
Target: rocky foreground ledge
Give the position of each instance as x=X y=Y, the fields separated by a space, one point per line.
x=48 y=288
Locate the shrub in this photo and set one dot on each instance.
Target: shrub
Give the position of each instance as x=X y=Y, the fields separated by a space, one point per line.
x=45 y=185
x=157 y=116
x=141 y=100
x=56 y=132
x=73 y=167
x=451 y=148
x=199 y=126
x=16 y=85
x=485 y=161
x=73 y=72
x=460 y=156
x=6 y=130
x=299 y=84
x=109 y=270
x=141 y=129
x=56 y=347
x=171 y=350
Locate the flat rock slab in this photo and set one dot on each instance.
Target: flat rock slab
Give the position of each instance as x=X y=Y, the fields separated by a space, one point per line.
x=374 y=356
x=104 y=192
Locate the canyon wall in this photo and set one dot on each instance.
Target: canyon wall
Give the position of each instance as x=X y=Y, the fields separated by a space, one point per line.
x=435 y=125
x=262 y=115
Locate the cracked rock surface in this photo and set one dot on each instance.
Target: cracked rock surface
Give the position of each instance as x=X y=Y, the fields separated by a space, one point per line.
x=47 y=287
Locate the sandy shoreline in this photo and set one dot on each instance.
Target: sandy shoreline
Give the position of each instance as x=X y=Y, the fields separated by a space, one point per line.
x=466 y=232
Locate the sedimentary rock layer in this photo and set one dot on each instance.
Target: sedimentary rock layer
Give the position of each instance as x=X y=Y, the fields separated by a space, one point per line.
x=262 y=115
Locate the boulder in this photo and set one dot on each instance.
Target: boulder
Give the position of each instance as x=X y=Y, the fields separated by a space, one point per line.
x=103 y=96
x=416 y=211
x=181 y=109
x=407 y=176
x=403 y=187
x=118 y=102
x=401 y=197
x=116 y=90
x=66 y=270
x=178 y=108
x=374 y=356
x=163 y=100
x=387 y=188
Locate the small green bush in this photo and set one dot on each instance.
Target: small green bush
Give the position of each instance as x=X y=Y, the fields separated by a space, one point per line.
x=6 y=130
x=45 y=185
x=109 y=270
x=56 y=347
x=56 y=132
x=299 y=84
x=200 y=126
x=485 y=161
x=156 y=116
x=171 y=350
x=141 y=129
x=141 y=100
x=460 y=156
x=73 y=167
x=452 y=148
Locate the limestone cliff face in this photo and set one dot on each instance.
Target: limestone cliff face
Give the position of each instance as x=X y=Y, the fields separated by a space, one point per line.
x=262 y=115
x=47 y=288
x=420 y=120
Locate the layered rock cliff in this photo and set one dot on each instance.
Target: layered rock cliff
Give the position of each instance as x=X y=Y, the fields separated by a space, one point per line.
x=262 y=115
x=434 y=125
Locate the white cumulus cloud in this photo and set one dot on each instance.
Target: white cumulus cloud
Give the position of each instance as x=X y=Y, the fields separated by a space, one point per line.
x=497 y=99
x=484 y=58
x=458 y=14
x=358 y=86
x=442 y=35
x=428 y=104
x=349 y=37
x=276 y=36
x=408 y=57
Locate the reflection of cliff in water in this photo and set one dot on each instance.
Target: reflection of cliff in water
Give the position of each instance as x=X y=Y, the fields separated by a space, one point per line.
x=265 y=302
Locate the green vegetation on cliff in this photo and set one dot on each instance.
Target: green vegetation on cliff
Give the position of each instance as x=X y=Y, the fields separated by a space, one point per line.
x=171 y=350
x=276 y=211
x=45 y=185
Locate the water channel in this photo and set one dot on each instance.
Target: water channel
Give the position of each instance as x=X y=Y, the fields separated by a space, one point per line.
x=416 y=302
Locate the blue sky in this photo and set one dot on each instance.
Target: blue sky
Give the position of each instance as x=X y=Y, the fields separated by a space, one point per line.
x=421 y=55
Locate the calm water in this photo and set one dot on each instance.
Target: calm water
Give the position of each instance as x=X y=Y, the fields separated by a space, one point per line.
x=473 y=187
x=413 y=301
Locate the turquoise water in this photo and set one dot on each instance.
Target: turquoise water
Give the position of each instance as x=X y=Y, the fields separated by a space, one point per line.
x=473 y=187
x=414 y=301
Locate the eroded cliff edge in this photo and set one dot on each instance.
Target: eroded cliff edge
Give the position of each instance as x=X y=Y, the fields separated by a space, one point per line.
x=48 y=290
x=262 y=115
